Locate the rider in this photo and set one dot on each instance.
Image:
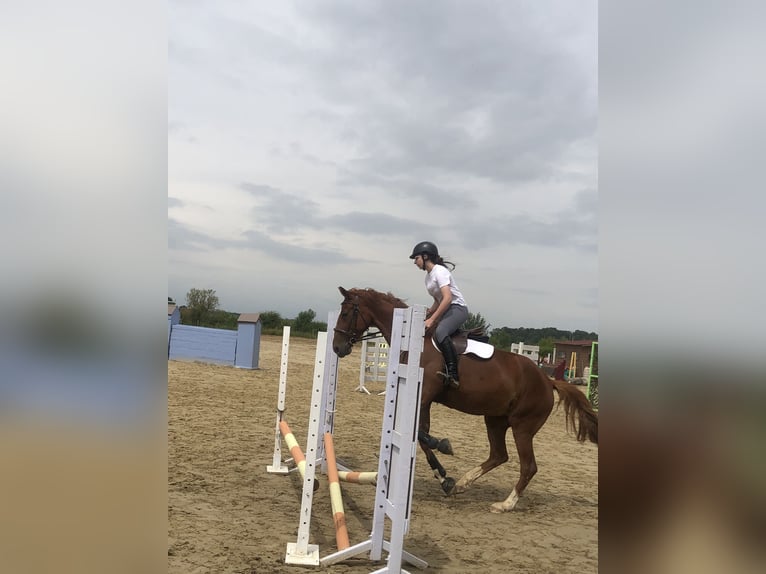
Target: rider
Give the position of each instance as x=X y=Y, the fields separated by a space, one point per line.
x=449 y=307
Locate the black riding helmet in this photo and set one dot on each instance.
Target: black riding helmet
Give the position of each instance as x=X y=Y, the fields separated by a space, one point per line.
x=425 y=247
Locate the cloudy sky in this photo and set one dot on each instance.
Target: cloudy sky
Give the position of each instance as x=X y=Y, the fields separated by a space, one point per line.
x=312 y=144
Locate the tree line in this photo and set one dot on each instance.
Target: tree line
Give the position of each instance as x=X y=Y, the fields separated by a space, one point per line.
x=202 y=309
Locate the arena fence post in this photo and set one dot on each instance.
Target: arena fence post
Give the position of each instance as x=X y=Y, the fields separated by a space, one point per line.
x=592 y=392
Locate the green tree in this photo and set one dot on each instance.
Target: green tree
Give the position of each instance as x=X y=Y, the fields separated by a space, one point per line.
x=221 y=320
x=501 y=338
x=475 y=320
x=272 y=320
x=200 y=303
x=304 y=321
x=546 y=346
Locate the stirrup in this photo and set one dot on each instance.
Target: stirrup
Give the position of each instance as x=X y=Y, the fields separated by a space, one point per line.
x=449 y=380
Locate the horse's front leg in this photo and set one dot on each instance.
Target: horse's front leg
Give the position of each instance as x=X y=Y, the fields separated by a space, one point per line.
x=443 y=445
x=428 y=443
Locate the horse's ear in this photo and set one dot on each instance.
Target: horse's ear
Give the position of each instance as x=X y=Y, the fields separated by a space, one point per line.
x=343 y=292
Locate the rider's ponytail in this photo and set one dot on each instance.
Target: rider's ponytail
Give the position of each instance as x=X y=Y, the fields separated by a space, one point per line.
x=439 y=260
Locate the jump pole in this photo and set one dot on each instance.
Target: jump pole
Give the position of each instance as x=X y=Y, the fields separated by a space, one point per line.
x=398 y=447
x=358 y=477
x=336 y=499
x=295 y=449
x=277 y=466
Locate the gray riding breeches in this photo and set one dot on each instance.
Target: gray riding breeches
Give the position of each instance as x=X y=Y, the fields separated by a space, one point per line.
x=450 y=322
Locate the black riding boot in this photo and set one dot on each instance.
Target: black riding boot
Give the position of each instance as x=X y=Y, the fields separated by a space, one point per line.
x=450 y=360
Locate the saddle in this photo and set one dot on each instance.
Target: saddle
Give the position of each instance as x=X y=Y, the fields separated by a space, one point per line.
x=470 y=341
x=461 y=336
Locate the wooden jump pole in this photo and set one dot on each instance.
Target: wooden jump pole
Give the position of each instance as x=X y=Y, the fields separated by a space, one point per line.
x=336 y=499
x=294 y=447
x=358 y=477
x=295 y=450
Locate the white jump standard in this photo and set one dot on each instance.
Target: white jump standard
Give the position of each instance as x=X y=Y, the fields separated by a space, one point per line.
x=398 y=446
x=277 y=466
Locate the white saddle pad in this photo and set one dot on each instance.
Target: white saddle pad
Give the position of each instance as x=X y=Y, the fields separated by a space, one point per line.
x=483 y=350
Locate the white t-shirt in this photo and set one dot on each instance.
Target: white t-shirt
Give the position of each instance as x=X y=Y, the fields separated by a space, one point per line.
x=437 y=278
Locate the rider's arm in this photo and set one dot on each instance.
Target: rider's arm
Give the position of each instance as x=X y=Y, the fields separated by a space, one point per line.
x=442 y=306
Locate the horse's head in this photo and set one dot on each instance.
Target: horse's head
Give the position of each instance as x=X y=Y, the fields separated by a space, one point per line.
x=351 y=325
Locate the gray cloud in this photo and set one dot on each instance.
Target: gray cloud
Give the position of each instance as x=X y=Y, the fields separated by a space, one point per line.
x=574 y=228
x=282 y=212
x=373 y=223
x=430 y=195
x=290 y=253
x=359 y=128
x=501 y=104
x=182 y=237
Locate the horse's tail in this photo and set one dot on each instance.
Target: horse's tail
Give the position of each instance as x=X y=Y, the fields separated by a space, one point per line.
x=581 y=419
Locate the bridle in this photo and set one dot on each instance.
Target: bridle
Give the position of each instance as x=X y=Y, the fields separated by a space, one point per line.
x=353 y=335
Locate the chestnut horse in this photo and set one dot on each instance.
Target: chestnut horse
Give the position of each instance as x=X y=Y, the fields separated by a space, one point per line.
x=508 y=389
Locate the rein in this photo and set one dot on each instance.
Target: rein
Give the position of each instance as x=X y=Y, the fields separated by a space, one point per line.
x=352 y=334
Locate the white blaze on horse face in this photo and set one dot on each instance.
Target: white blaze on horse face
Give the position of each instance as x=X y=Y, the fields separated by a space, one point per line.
x=508 y=504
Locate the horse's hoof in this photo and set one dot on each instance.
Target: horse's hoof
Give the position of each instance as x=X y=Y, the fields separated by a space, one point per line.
x=497 y=508
x=448 y=486
x=444 y=446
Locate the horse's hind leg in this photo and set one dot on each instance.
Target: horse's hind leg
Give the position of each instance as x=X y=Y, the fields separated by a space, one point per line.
x=497 y=427
x=523 y=433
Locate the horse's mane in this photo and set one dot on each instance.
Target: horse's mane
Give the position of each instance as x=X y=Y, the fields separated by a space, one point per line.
x=390 y=297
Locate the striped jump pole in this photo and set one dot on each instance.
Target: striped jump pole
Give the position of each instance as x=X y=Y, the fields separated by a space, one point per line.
x=295 y=450
x=358 y=477
x=336 y=500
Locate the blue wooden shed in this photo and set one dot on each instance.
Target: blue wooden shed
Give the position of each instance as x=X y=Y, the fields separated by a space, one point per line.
x=174 y=318
x=239 y=348
x=248 y=340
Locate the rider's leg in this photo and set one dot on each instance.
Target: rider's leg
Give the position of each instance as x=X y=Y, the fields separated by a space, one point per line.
x=448 y=324
x=450 y=361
